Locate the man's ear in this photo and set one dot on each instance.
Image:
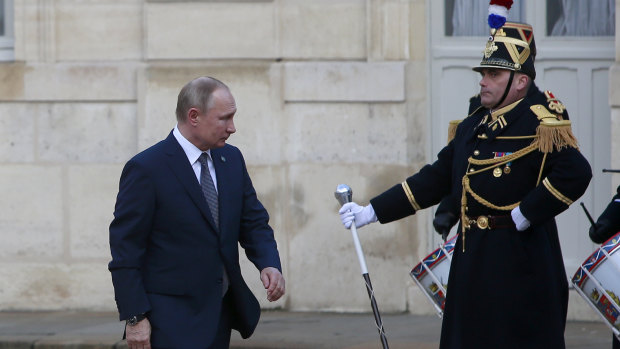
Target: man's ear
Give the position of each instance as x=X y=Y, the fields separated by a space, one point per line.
x=522 y=82
x=192 y=116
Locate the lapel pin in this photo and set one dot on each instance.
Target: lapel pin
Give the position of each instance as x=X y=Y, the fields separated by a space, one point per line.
x=223 y=158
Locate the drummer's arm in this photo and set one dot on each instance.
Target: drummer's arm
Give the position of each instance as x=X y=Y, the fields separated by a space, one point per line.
x=565 y=178
x=608 y=223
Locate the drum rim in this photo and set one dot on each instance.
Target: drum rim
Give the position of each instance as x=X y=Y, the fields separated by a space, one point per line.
x=595 y=259
x=419 y=271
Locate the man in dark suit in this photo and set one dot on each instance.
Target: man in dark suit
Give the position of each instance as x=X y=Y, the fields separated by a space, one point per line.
x=183 y=207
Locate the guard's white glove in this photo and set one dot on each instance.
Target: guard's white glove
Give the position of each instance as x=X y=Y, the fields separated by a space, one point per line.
x=520 y=221
x=361 y=214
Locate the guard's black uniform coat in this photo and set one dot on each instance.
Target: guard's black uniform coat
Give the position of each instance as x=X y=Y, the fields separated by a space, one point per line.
x=508 y=289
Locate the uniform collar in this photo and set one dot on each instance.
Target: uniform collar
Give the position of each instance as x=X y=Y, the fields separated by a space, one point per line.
x=498 y=120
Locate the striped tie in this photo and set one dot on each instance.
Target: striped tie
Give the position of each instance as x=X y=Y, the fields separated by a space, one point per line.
x=208 y=189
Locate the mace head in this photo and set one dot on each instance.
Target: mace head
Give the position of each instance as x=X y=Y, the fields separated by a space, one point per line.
x=343 y=194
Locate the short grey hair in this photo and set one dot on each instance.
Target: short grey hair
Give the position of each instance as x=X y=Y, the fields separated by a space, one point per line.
x=197 y=94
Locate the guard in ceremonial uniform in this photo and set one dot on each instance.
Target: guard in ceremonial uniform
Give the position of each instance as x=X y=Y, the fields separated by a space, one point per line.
x=512 y=166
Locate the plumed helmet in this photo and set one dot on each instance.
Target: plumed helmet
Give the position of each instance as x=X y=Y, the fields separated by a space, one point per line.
x=510 y=47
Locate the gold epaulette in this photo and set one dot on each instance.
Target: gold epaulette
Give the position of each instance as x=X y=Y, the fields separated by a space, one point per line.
x=452 y=129
x=552 y=131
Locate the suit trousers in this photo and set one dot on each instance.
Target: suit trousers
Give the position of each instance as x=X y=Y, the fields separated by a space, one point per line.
x=222 y=336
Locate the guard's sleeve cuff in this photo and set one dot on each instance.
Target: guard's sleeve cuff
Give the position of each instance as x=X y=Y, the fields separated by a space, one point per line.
x=410 y=196
x=519 y=219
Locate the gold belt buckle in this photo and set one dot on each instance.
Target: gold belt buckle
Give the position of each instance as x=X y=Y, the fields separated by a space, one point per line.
x=482 y=222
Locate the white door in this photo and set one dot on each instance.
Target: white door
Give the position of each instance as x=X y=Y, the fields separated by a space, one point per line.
x=575 y=68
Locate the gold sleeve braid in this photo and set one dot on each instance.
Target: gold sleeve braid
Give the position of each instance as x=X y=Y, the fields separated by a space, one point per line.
x=409 y=194
x=556 y=192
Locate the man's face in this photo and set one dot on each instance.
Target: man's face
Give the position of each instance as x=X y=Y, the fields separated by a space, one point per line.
x=492 y=86
x=216 y=125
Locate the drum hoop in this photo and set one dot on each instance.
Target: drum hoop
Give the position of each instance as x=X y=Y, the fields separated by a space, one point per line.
x=595 y=259
x=435 y=257
x=447 y=252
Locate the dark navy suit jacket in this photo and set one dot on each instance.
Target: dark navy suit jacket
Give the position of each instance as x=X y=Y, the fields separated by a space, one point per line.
x=167 y=254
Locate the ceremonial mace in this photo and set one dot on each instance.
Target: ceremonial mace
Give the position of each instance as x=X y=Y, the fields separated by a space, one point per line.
x=344 y=194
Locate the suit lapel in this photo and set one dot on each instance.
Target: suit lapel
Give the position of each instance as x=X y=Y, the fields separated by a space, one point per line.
x=180 y=166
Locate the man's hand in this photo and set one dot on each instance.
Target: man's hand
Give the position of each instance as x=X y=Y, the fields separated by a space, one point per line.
x=139 y=335
x=601 y=231
x=351 y=211
x=443 y=222
x=274 y=283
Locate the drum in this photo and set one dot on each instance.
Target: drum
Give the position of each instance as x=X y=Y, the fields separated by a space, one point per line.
x=431 y=274
x=598 y=281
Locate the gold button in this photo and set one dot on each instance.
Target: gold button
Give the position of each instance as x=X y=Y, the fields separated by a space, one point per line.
x=476 y=152
x=497 y=172
x=484 y=135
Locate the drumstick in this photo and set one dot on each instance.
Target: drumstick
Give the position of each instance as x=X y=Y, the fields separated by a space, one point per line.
x=587 y=214
x=610 y=170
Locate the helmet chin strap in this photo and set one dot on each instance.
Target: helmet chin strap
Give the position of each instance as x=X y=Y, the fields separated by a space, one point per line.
x=512 y=75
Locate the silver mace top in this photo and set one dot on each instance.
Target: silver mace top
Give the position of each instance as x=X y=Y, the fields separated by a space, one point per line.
x=343 y=194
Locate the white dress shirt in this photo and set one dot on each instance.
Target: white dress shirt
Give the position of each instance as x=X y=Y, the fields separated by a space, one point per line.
x=193 y=153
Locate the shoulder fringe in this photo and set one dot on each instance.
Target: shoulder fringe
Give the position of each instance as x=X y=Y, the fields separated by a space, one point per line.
x=452 y=129
x=552 y=133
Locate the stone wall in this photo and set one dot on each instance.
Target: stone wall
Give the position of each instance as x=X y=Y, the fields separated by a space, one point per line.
x=328 y=91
